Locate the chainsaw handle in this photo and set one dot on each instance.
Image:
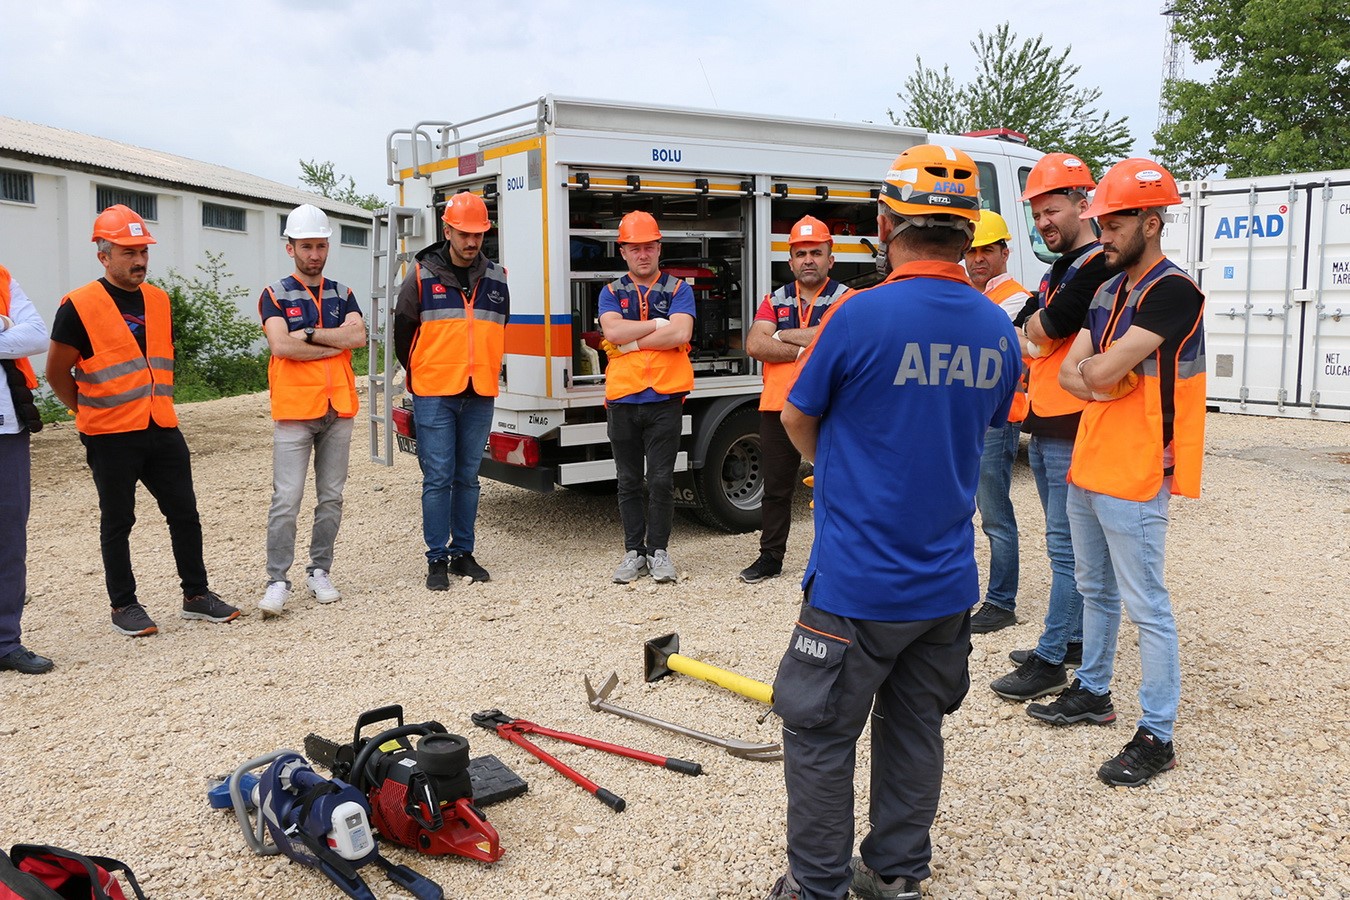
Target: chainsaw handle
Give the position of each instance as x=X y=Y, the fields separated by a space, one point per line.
x=379 y=714
x=368 y=749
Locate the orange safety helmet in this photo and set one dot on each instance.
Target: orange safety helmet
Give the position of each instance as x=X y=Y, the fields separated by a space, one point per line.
x=810 y=230
x=932 y=179
x=638 y=227
x=120 y=225
x=466 y=211
x=1058 y=172
x=1133 y=184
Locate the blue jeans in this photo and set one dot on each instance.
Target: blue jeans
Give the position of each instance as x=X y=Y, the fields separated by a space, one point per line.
x=1120 y=547
x=997 y=517
x=1049 y=458
x=451 y=435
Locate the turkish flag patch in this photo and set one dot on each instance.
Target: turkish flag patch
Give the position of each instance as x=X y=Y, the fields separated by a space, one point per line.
x=438 y=289
x=624 y=303
x=293 y=311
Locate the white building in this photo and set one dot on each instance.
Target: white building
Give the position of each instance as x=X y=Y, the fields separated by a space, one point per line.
x=54 y=182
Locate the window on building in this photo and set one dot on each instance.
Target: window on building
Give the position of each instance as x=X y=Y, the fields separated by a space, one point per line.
x=282 y=228
x=17 y=187
x=230 y=218
x=144 y=205
x=352 y=236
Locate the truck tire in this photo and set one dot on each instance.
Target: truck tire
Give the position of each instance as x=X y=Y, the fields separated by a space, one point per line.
x=730 y=485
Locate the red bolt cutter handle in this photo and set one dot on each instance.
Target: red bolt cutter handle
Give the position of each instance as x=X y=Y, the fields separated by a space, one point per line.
x=517 y=737
x=683 y=766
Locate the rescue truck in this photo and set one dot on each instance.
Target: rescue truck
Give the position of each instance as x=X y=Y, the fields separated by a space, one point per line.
x=557 y=174
x=1272 y=255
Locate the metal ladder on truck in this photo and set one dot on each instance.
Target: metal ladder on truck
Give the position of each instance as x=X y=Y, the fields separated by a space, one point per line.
x=392 y=226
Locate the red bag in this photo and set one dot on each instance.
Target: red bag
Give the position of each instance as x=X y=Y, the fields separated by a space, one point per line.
x=38 y=872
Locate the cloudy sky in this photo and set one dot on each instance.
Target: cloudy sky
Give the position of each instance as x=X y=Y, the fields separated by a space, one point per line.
x=259 y=84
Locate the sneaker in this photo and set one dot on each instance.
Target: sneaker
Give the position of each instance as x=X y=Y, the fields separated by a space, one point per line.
x=1143 y=757
x=764 y=567
x=278 y=592
x=23 y=660
x=631 y=568
x=321 y=586
x=209 y=608
x=133 y=621
x=661 y=567
x=438 y=579
x=785 y=888
x=465 y=566
x=868 y=884
x=1073 y=655
x=1033 y=678
x=1076 y=704
x=991 y=618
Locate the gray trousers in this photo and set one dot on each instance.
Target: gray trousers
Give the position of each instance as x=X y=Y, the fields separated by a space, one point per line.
x=15 y=502
x=836 y=671
x=330 y=438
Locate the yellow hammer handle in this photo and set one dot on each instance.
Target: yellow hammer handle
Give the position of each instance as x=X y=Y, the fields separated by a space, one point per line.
x=746 y=687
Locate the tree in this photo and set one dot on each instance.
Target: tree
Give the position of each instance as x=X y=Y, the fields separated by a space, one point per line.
x=1280 y=99
x=321 y=178
x=1025 y=86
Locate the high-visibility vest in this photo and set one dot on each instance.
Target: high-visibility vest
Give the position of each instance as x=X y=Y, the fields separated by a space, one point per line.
x=462 y=335
x=119 y=388
x=22 y=364
x=664 y=371
x=787 y=307
x=1043 y=391
x=305 y=388
x=1006 y=289
x=1119 y=448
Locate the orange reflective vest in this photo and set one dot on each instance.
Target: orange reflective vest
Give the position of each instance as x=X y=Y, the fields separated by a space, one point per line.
x=1119 y=449
x=791 y=311
x=1047 y=398
x=667 y=372
x=999 y=290
x=305 y=388
x=119 y=388
x=23 y=365
x=462 y=335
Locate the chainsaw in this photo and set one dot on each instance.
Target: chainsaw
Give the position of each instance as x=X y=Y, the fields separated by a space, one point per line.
x=421 y=796
x=317 y=822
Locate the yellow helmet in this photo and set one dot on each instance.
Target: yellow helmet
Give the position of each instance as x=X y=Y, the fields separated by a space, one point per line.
x=991 y=229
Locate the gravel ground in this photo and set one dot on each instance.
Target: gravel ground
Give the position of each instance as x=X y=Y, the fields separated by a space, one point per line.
x=109 y=753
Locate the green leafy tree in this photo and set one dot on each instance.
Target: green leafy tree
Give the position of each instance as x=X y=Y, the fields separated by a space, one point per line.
x=320 y=177
x=215 y=348
x=1280 y=99
x=1025 y=85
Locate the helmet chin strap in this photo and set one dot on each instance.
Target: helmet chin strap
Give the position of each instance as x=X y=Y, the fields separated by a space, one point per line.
x=883 y=257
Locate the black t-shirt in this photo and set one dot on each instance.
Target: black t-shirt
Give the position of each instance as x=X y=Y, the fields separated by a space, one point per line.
x=1170 y=309
x=68 y=329
x=1063 y=318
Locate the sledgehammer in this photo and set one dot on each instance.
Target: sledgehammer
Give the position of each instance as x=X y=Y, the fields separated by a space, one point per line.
x=661 y=656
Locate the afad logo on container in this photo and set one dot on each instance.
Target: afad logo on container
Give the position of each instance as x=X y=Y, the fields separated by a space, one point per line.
x=1251 y=226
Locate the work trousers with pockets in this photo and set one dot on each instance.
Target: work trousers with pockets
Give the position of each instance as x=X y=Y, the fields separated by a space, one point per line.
x=646 y=434
x=836 y=671
x=15 y=502
x=782 y=462
x=329 y=438
x=157 y=458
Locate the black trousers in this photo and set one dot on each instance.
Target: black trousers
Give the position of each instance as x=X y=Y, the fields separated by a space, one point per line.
x=157 y=458
x=781 y=464
x=646 y=433
x=15 y=501
x=836 y=674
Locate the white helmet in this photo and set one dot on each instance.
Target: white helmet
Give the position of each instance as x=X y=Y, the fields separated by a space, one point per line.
x=307 y=221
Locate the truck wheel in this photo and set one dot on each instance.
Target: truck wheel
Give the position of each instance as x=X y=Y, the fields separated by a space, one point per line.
x=730 y=485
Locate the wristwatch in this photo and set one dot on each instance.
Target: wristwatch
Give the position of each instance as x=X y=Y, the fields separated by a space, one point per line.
x=309 y=335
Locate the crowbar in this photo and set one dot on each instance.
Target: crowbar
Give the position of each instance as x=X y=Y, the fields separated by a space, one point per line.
x=661 y=656
x=741 y=749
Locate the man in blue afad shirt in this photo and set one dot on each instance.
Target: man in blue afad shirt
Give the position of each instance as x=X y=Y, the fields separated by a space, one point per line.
x=892 y=405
